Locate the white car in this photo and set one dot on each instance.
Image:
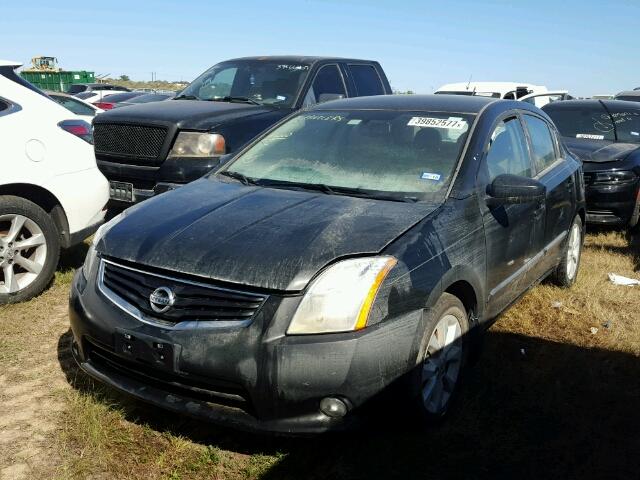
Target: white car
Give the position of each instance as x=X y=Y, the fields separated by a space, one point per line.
x=84 y=110
x=52 y=195
x=95 y=96
x=506 y=90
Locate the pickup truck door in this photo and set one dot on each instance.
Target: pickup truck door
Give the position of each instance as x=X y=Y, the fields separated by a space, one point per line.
x=513 y=233
x=557 y=174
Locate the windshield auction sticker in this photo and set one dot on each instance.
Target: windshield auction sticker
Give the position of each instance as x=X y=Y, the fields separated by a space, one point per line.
x=590 y=136
x=452 y=123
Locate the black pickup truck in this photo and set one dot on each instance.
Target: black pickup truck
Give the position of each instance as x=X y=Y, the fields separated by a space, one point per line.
x=148 y=149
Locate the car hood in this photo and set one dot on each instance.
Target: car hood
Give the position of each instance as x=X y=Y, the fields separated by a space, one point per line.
x=599 y=151
x=262 y=237
x=185 y=114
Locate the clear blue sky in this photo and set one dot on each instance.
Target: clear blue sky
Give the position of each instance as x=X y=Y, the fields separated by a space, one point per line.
x=587 y=47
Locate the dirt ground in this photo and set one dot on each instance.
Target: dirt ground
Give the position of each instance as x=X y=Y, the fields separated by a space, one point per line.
x=555 y=394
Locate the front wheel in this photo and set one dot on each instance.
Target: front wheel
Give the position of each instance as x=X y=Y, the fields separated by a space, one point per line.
x=442 y=360
x=29 y=249
x=566 y=272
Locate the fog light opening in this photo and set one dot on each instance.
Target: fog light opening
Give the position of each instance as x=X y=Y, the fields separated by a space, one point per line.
x=333 y=407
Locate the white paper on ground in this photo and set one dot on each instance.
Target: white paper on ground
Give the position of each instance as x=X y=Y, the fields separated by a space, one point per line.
x=620 y=280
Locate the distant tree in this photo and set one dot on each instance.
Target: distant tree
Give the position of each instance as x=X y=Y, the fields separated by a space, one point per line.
x=124 y=78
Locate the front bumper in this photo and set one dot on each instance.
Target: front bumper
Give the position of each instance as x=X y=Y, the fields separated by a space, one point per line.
x=252 y=378
x=612 y=204
x=149 y=181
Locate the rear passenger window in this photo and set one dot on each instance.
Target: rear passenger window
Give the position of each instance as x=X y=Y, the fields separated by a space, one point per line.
x=508 y=150
x=543 y=146
x=366 y=79
x=327 y=85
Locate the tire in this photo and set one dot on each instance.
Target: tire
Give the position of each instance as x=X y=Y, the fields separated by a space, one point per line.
x=566 y=272
x=29 y=249
x=435 y=382
x=634 y=221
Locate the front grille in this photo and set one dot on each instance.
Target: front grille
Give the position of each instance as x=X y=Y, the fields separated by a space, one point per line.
x=208 y=390
x=136 y=144
x=194 y=300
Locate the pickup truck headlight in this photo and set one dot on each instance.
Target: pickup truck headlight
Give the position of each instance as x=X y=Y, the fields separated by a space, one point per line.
x=339 y=300
x=197 y=145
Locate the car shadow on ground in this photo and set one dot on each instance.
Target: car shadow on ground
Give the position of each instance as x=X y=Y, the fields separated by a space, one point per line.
x=530 y=408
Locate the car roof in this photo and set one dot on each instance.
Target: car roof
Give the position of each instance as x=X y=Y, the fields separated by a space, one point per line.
x=629 y=93
x=9 y=63
x=590 y=103
x=487 y=86
x=299 y=58
x=436 y=103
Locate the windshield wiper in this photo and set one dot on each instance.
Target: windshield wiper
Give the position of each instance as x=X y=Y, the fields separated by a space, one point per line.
x=335 y=190
x=231 y=99
x=238 y=176
x=186 y=97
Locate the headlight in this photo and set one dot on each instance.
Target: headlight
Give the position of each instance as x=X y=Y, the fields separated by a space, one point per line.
x=90 y=259
x=196 y=144
x=615 y=177
x=340 y=299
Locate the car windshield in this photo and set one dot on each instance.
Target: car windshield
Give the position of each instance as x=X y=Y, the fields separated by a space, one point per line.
x=627 y=121
x=150 y=97
x=580 y=121
x=394 y=155
x=84 y=95
x=73 y=89
x=258 y=81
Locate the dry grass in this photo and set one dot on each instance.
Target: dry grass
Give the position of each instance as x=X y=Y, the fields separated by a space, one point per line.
x=548 y=399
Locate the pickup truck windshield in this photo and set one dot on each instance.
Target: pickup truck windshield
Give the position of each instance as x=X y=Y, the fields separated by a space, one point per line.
x=394 y=155
x=258 y=81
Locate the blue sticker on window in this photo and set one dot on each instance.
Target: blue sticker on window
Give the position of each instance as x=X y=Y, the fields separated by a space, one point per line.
x=430 y=176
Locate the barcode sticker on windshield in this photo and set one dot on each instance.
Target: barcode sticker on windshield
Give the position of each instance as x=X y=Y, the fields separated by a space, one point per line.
x=590 y=136
x=449 y=123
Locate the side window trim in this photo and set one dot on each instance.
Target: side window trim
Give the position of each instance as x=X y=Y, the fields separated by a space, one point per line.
x=11 y=108
x=355 y=85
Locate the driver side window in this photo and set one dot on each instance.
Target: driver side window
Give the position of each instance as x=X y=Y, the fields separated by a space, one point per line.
x=327 y=85
x=508 y=152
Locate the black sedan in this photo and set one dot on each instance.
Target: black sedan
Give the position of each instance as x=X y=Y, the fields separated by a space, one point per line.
x=357 y=246
x=605 y=134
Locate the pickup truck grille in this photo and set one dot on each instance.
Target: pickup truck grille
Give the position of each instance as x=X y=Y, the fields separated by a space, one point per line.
x=194 y=300
x=135 y=144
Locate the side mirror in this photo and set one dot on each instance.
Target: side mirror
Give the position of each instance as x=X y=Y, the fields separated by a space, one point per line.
x=512 y=189
x=326 y=97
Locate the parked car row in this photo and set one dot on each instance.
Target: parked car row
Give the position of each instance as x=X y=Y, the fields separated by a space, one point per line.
x=51 y=192
x=309 y=241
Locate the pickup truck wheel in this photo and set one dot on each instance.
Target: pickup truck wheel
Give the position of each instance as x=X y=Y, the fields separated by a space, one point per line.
x=442 y=360
x=29 y=249
x=566 y=272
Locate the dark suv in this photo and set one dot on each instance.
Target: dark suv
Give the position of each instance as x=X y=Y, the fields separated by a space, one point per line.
x=148 y=149
x=358 y=245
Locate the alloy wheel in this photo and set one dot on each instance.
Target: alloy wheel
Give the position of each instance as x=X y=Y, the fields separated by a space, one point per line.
x=442 y=364
x=573 y=251
x=23 y=252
